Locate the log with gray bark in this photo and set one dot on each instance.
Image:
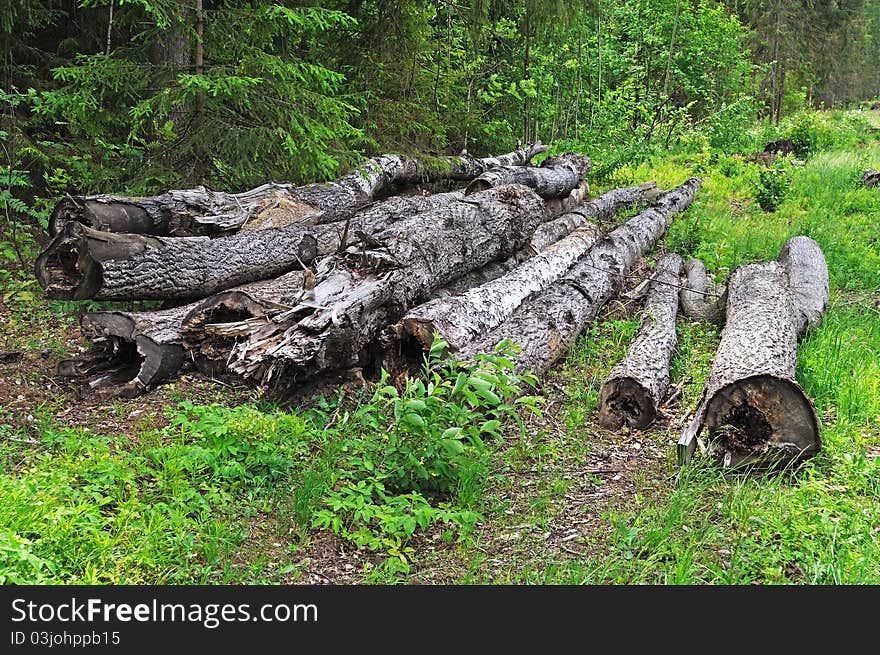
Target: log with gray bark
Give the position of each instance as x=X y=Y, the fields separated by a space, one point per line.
x=81 y=262
x=201 y=211
x=595 y=210
x=358 y=295
x=697 y=300
x=135 y=351
x=144 y=349
x=556 y=177
x=637 y=384
x=752 y=410
x=462 y=318
x=132 y=351
x=546 y=325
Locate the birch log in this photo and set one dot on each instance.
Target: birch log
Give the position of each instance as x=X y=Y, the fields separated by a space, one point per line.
x=637 y=384
x=547 y=324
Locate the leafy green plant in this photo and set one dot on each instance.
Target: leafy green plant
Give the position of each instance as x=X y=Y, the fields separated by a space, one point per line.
x=773 y=186
x=417 y=452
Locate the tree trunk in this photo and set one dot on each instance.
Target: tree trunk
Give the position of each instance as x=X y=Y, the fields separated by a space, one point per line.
x=556 y=177
x=85 y=263
x=376 y=282
x=548 y=323
x=636 y=386
x=598 y=209
x=200 y=211
x=696 y=300
x=752 y=410
x=135 y=351
x=461 y=319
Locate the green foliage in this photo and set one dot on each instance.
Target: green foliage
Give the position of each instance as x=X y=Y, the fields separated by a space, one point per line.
x=812 y=131
x=417 y=457
x=773 y=185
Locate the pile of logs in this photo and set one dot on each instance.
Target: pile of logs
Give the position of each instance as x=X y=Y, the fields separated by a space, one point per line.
x=752 y=410
x=284 y=285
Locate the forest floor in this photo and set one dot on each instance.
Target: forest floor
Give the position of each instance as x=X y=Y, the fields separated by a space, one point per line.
x=183 y=484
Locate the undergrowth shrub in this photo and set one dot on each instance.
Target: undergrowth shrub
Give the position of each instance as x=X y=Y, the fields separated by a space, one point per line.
x=416 y=457
x=773 y=186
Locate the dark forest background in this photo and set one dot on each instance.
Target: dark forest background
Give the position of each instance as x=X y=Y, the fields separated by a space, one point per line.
x=139 y=96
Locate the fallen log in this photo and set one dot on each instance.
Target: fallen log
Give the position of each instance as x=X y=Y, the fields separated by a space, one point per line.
x=201 y=211
x=752 y=410
x=696 y=300
x=81 y=262
x=133 y=352
x=596 y=209
x=556 y=177
x=637 y=384
x=547 y=324
x=377 y=281
x=462 y=318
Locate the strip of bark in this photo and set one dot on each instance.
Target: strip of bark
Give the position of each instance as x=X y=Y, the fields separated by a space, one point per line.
x=547 y=324
x=752 y=410
x=637 y=384
x=203 y=212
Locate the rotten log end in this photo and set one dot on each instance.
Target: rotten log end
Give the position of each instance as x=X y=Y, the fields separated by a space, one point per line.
x=124 y=364
x=763 y=419
x=65 y=270
x=623 y=402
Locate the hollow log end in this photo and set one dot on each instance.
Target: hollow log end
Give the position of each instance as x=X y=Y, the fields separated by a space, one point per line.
x=764 y=419
x=123 y=364
x=623 y=402
x=65 y=269
x=68 y=209
x=420 y=329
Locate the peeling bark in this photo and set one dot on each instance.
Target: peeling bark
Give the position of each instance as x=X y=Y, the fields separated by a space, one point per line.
x=547 y=324
x=136 y=351
x=752 y=410
x=377 y=282
x=85 y=263
x=637 y=384
x=201 y=211
x=696 y=300
x=556 y=177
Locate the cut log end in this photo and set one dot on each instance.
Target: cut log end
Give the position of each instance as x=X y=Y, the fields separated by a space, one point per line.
x=623 y=402
x=66 y=271
x=124 y=364
x=763 y=419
